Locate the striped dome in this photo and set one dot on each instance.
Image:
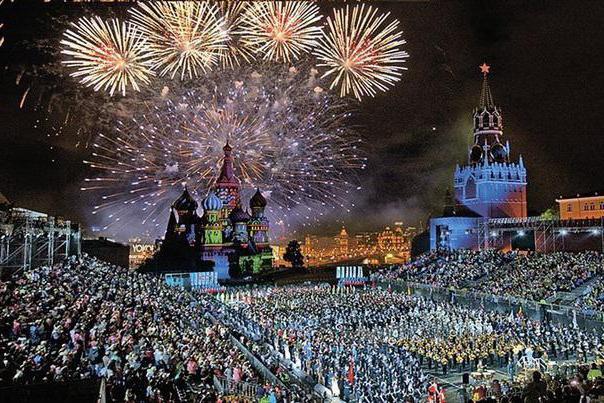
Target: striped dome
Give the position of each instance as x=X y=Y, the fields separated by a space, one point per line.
x=212 y=202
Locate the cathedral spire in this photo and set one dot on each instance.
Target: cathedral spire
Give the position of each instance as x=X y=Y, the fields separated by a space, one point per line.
x=227 y=172
x=486 y=98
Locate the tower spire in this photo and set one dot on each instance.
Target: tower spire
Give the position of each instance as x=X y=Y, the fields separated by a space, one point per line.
x=227 y=174
x=486 y=98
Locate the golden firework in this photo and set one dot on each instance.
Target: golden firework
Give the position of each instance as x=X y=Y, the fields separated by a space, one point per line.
x=361 y=51
x=281 y=31
x=185 y=37
x=108 y=55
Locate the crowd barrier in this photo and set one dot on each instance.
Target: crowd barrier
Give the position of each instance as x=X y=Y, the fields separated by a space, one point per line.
x=257 y=364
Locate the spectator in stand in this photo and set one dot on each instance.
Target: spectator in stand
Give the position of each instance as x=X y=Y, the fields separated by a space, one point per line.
x=88 y=319
x=535 y=276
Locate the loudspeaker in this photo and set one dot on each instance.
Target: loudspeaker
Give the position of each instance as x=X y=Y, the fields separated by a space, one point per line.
x=465 y=378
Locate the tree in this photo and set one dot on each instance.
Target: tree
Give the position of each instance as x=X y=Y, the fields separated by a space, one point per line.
x=551 y=213
x=293 y=254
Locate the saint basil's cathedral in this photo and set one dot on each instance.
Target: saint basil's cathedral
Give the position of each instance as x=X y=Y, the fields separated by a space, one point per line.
x=226 y=239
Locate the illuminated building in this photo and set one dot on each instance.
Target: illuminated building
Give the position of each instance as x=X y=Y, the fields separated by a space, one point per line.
x=393 y=242
x=226 y=238
x=490 y=185
x=140 y=251
x=581 y=207
x=342 y=242
x=366 y=240
x=392 y=239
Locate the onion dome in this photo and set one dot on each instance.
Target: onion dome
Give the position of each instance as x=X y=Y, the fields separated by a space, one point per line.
x=185 y=202
x=475 y=153
x=212 y=202
x=498 y=152
x=257 y=200
x=238 y=215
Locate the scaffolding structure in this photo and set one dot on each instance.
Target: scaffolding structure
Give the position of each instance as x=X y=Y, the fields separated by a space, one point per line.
x=549 y=234
x=30 y=239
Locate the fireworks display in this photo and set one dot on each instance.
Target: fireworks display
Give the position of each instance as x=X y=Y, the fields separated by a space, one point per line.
x=235 y=53
x=204 y=73
x=106 y=55
x=289 y=138
x=281 y=31
x=185 y=37
x=361 y=52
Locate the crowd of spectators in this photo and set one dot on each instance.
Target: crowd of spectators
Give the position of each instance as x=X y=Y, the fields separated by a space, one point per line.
x=586 y=386
x=538 y=276
x=532 y=276
x=383 y=339
x=451 y=268
x=88 y=319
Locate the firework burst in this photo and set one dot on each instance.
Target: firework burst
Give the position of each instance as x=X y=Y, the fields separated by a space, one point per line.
x=281 y=31
x=235 y=53
x=289 y=138
x=107 y=55
x=186 y=37
x=361 y=51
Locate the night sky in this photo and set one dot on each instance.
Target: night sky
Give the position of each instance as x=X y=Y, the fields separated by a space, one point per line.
x=546 y=75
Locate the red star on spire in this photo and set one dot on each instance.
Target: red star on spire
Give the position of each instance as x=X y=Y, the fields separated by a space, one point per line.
x=484 y=68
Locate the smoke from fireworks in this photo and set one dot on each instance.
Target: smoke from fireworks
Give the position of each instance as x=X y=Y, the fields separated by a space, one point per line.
x=186 y=37
x=361 y=54
x=281 y=31
x=289 y=138
x=107 y=55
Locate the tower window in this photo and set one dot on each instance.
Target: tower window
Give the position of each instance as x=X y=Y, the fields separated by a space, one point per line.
x=569 y=207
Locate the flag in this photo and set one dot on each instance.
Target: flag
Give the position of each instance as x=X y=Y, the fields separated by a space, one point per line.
x=351 y=372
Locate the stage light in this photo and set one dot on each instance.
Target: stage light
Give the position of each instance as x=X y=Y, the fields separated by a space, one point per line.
x=595 y=231
x=520 y=233
x=493 y=234
x=563 y=232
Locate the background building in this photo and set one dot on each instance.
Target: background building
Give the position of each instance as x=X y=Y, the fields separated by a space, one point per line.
x=390 y=245
x=581 y=207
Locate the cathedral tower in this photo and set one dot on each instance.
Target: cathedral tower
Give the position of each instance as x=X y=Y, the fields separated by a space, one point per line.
x=258 y=224
x=491 y=184
x=183 y=219
x=212 y=225
x=227 y=185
